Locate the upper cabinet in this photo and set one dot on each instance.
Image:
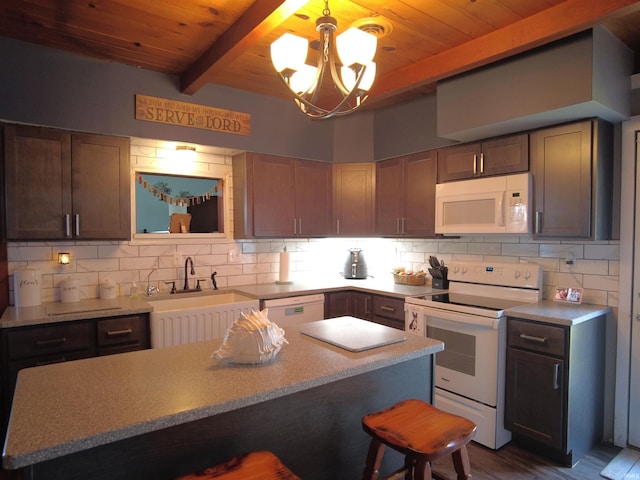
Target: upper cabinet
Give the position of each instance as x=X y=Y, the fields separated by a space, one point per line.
x=572 y=167
x=353 y=199
x=280 y=196
x=63 y=185
x=405 y=195
x=499 y=156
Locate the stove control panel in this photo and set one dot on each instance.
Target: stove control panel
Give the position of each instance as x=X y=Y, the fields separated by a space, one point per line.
x=507 y=274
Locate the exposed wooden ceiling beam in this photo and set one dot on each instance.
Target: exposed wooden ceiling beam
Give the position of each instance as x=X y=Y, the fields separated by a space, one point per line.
x=562 y=20
x=255 y=23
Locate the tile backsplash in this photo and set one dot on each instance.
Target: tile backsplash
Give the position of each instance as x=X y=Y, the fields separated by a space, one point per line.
x=594 y=268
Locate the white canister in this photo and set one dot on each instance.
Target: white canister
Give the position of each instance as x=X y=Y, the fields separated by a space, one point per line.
x=70 y=290
x=108 y=290
x=27 y=284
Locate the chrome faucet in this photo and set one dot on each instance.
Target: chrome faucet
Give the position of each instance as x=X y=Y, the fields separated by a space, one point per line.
x=193 y=272
x=151 y=289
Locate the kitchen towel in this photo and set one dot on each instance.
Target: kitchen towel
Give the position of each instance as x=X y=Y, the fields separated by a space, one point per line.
x=284 y=266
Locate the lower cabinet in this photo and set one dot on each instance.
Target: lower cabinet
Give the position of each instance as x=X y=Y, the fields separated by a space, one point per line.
x=555 y=386
x=35 y=345
x=387 y=311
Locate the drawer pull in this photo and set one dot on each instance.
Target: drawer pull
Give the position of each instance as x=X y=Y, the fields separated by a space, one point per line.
x=387 y=309
x=50 y=342
x=119 y=333
x=531 y=338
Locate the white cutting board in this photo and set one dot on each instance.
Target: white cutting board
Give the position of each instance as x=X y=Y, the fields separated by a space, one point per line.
x=352 y=333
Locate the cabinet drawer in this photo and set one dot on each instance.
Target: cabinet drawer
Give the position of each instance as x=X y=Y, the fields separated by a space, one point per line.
x=388 y=307
x=122 y=331
x=39 y=341
x=537 y=337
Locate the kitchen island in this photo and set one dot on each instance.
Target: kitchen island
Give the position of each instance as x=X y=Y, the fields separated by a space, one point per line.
x=161 y=413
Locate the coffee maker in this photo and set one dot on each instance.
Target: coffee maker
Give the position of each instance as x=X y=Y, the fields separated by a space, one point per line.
x=355 y=267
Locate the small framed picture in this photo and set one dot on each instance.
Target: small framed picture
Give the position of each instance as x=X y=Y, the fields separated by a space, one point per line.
x=568 y=294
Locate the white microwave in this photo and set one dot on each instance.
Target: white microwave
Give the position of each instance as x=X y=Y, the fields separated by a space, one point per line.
x=485 y=205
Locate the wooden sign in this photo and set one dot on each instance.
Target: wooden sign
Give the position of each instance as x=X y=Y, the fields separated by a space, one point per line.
x=161 y=110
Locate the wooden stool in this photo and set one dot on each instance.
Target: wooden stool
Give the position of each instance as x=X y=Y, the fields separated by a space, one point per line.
x=260 y=465
x=422 y=433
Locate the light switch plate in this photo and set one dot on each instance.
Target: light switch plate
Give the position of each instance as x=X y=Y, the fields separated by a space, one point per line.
x=233 y=256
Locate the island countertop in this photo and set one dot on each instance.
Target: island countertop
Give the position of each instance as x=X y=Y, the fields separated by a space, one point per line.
x=69 y=407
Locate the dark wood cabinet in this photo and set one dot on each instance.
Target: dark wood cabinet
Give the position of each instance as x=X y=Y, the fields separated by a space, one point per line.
x=405 y=195
x=380 y=309
x=280 y=196
x=62 y=185
x=36 y=345
x=573 y=170
x=555 y=386
x=353 y=199
x=497 y=156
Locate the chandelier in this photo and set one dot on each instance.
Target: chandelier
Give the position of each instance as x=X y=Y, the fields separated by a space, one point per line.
x=352 y=77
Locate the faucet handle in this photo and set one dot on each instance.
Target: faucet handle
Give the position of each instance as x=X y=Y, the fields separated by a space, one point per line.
x=173 y=286
x=198 y=287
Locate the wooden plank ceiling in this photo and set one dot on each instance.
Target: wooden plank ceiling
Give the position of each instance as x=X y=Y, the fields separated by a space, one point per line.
x=227 y=42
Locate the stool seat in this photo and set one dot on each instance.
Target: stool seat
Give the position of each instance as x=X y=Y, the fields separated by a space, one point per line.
x=259 y=465
x=422 y=433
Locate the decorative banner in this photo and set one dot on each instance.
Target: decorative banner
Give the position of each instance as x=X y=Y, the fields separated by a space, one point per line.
x=161 y=191
x=161 y=110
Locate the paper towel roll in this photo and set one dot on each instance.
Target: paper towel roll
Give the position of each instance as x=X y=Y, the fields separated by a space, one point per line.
x=284 y=267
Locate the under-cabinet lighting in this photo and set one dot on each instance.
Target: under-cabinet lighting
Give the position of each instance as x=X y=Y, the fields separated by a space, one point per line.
x=64 y=258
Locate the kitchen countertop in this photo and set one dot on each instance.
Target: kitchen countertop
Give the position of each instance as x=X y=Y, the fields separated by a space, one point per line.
x=557 y=312
x=54 y=312
x=69 y=407
x=381 y=286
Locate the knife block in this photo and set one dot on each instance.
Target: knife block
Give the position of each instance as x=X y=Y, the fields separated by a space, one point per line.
x=440 y=283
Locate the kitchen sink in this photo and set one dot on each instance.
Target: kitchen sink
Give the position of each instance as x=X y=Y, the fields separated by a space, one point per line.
x=187 y=319
x=182 y=303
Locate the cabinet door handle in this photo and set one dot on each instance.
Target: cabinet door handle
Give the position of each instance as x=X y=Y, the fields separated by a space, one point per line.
x=51 y=341
x=387 y=309
x=337 y=227
x=531 y=338
x=366 y=306
x=475 y=162
x=482 y=163
x=404 y=226
x=76 y=217
x=556 y=374
x=67 y=225
x=538 y=221
x=299 y=226
x=295 y=230
x=119 y=333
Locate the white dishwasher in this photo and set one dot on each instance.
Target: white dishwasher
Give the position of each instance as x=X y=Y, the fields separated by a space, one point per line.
x=295 y=310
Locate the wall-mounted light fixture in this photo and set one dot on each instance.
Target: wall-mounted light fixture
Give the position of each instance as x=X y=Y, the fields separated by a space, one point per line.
x=64 y=258
x=185 y=152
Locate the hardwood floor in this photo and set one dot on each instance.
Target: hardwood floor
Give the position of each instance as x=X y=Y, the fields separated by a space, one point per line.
x=514 y=463
x=509 y=463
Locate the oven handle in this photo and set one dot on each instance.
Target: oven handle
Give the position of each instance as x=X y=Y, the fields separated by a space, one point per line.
x=436 y=316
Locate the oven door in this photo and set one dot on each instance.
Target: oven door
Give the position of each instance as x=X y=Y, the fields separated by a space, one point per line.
x=468 y=365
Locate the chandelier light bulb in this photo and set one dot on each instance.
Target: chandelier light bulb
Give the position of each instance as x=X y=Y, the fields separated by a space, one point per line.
x=349 y=77
x=289 y=52
x=356 y=46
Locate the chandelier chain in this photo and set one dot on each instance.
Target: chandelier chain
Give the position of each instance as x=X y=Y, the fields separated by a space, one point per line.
x=326 y=12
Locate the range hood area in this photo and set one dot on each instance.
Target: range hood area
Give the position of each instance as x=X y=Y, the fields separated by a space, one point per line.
x=586 y=75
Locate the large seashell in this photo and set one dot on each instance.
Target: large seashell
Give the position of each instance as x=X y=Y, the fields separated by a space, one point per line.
x=252 y=338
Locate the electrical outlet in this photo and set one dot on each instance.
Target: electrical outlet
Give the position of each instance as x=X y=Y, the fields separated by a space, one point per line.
x=233 y=256
x=177 y=259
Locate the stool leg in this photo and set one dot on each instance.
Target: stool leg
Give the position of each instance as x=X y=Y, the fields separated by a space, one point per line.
x=461 y=463
x=422 y=470
x=374 y=460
